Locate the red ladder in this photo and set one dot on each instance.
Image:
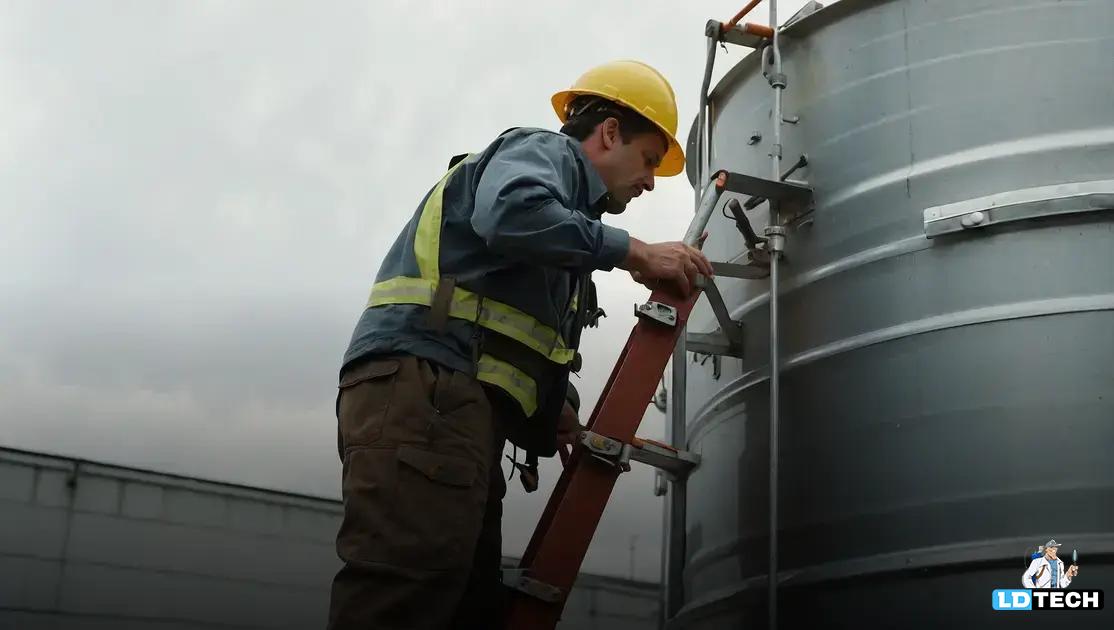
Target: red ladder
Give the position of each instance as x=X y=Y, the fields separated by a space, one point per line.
x=556 y=550
x=552 y=560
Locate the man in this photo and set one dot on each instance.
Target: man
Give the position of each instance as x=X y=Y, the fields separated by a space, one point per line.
x=468 y=339
x=1047 y=571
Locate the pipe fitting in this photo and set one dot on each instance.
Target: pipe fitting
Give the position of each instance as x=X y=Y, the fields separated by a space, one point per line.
x=775 y=238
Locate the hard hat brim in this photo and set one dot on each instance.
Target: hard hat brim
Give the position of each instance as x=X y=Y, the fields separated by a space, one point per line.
x=672 y=163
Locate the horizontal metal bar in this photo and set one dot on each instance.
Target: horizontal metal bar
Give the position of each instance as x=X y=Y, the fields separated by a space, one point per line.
x=674 y=463
x=1019 y=205
x=754 y=202
x=740 y=36
x=768 y=188
x=752 y=270
x=712 y=343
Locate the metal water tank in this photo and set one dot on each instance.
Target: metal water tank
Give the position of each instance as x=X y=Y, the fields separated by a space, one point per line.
x=947 y=320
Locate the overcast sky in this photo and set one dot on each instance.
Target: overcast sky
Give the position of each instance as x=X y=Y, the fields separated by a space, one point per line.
x=196 y=197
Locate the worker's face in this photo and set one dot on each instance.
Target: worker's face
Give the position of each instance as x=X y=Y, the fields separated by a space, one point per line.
x=628 y=167
x=1050 y=552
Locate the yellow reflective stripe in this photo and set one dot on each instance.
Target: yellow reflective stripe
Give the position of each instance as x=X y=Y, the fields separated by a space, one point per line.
x=427 y=240
x=502 y=318
x=402 y=290
x=509 y=321
x=511 y=380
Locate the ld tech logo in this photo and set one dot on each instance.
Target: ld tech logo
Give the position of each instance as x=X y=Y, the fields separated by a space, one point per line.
x=1046 y=599
x=1044 y=579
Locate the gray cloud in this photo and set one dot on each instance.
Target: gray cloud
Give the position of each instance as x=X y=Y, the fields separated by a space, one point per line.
x=197 y=195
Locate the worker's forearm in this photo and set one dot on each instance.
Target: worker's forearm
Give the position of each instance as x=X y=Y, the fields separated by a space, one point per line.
x=635 y=259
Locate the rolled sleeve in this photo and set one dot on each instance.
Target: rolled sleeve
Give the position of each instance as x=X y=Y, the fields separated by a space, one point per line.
x=615 y=247
x=525 y=208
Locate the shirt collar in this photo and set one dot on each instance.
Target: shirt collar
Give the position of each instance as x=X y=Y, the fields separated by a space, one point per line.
x=598 y=197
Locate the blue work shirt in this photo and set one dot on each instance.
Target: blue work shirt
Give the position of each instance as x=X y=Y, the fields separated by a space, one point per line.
x=519 y=221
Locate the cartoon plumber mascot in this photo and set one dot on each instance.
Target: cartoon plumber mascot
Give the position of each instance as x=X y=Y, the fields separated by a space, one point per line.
x=1047 y=571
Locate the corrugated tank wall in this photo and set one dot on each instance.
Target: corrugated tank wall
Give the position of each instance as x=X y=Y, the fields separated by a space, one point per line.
x=947 y=402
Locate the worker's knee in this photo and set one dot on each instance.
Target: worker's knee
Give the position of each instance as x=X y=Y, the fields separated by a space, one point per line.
x=410 y=507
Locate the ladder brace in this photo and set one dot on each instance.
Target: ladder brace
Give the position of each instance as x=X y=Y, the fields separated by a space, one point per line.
x=728 y=339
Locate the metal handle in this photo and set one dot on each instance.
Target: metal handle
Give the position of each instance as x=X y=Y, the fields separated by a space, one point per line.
x=1019 y=205
x=708 y=199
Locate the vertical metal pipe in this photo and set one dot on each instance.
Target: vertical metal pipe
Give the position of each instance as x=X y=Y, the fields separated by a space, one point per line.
x=666 y=549
x=777 y=82
x=703 y=156
x=674 y=558
x=775 y=387
x=675 y=590
x=674 y=586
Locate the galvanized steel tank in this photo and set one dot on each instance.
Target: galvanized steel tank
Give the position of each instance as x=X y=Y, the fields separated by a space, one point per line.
x=947 y=402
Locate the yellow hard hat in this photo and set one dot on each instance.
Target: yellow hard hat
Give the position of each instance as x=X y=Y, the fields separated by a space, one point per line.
x=638 y=87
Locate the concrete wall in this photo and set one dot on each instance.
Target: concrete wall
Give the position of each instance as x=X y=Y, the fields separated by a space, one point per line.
x=85 y=545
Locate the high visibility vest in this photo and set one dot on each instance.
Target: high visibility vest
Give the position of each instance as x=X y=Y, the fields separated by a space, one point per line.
x=507 y=372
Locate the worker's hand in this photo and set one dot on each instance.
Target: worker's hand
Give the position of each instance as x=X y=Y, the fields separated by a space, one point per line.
x=568 y=427
x=675 y=264
x=1073 y=571
x=649 y=284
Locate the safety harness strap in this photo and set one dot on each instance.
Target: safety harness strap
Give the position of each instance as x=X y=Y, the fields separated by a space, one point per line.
x=441 y=305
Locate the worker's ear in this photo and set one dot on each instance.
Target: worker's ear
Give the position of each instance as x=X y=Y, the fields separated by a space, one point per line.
x=609 y=133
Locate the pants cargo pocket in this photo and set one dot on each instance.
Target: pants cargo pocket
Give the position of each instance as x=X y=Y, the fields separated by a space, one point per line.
x=363 y=402
x=411 y=507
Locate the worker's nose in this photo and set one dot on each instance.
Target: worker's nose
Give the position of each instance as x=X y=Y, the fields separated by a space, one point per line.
x=648 y=182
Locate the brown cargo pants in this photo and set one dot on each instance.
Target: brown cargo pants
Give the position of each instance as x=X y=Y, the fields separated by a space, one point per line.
x=423 y=491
